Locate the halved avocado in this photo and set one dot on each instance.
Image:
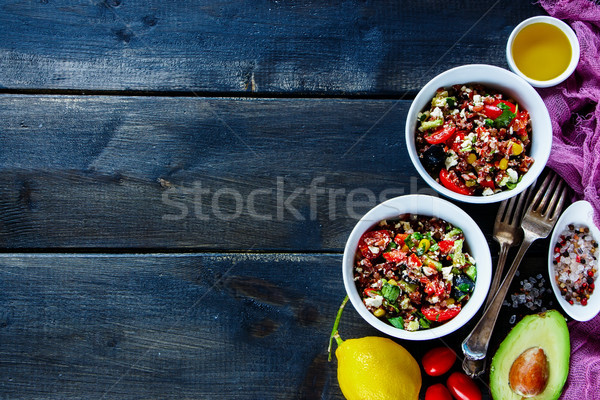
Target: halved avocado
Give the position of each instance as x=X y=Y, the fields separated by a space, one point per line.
x=541 y=347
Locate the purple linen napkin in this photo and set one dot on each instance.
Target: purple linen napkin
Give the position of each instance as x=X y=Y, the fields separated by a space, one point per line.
x=574 y=105
x=575 y=112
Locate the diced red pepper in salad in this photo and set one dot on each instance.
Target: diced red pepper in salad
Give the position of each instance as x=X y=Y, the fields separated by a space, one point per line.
x=451 y=181
x=438 y=314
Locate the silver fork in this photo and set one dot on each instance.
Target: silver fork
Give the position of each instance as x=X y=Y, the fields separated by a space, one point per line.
x=538 y=221
x=507 y=233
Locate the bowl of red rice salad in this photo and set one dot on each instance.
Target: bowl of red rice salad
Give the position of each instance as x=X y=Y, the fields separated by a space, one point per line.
x=417 y=267
x=478 y=134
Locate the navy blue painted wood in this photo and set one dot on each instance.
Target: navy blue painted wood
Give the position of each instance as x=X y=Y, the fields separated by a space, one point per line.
x=218 y=326
x=318 y=47
x=225 y=174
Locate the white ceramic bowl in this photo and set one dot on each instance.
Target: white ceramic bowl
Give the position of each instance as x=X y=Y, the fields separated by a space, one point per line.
x=575 y=50
x=578 y=213
x=428 y=206
x=509 y=84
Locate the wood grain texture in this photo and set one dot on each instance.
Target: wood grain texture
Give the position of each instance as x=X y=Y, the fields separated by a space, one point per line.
x=185 y=327
x=230 y=174
x=317 y=47
x=209 y=326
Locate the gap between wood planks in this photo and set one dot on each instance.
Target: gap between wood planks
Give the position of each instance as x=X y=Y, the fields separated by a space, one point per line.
x=204 y=94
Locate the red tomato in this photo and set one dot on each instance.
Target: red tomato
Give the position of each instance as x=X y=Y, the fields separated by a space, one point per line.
x=492 y=112
x=519 y=123
x=451 y=181
x=437 y=314
x=487 y=183
x=374 y=239
x=395 y=256
x=438 y=361
x=441 y=134
x=510 y=105
x=446 y=246
x=399 y=238
x=414 y=261
x=462 y=387
x=456 y=143
x=437 y=392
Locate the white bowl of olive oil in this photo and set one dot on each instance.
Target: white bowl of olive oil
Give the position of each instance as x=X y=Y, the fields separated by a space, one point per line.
x=543 y=50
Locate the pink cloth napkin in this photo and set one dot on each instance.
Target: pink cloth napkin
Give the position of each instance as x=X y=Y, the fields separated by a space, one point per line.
x=574 y=108
x=574 y=104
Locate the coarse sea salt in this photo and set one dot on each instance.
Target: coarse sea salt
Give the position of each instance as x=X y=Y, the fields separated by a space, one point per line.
x=575 y=258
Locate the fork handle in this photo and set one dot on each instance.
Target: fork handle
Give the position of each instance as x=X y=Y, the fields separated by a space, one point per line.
x=475 y=345
x=474 y=368
x=498 y=275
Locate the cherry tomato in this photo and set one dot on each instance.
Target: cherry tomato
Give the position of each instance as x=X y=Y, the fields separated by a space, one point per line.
x=438 y=361
x=437 y=392
x=510 y=105
x=395 y=256
x=462 y=387
x=438 y=314
x=451 y=181
x=372 y=243
x=446 y=246
x=441 y=134
x=492 y=112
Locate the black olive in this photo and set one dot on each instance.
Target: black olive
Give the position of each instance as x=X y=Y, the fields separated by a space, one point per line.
x=462 y=285
x=434 y=157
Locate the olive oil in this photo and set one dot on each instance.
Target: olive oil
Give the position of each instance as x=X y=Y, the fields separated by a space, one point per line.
x=541 y=51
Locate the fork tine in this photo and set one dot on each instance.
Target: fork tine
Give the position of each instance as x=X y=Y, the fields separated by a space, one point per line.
x=558 y=192
x=523 y=198
x=561 y=203
x=540 y=192
x=550 y=190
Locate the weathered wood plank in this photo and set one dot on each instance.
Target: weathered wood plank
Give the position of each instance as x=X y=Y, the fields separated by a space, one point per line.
x=151 y=172
x=342 y=47
x=210 y=326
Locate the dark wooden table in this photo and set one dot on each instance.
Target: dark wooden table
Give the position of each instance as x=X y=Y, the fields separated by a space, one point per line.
x=179 y=179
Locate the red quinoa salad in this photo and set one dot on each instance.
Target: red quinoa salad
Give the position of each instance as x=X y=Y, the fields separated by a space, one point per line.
x=414 y=271
x=474 y=140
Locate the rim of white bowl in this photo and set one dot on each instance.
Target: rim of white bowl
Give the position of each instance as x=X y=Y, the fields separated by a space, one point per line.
x=429 y=206
x=487 y=75
x=566 y=29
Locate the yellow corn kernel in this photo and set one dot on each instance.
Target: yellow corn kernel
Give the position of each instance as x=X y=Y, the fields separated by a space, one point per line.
x=380 y=312
x=471 y=158
x=392 y=282
x=516 y=149
x=503 y=164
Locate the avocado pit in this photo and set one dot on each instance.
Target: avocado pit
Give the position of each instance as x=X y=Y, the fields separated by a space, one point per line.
x=529 y=372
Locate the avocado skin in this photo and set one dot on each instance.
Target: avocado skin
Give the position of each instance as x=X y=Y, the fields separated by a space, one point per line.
x=547 y=330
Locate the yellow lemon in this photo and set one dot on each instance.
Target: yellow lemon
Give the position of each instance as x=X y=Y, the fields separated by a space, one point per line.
x=377 y=368
x=374 y=368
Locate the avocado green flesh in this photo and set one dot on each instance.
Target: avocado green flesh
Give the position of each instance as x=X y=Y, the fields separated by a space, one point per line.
x=548 y=331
